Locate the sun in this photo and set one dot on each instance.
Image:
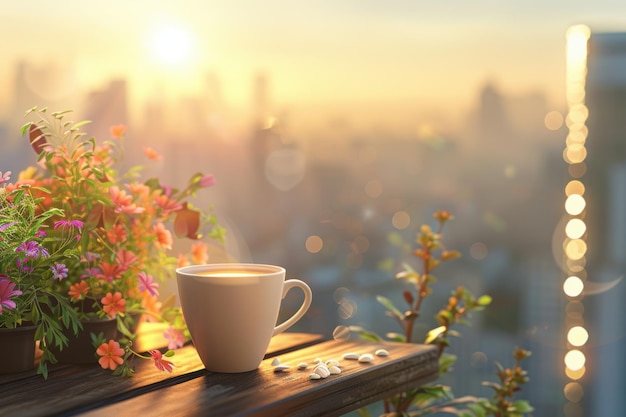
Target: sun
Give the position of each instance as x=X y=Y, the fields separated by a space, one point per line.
x=171 y=45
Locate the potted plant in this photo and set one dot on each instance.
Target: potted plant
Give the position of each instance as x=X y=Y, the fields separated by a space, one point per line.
x=32 y=262
x=128 y=233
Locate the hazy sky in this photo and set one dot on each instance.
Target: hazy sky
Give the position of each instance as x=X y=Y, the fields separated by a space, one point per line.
x=434 y=54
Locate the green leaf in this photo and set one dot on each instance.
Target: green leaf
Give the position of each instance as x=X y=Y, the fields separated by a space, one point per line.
x=484 y=300
x=522 y=406
x=434 y=333
x=390 y=307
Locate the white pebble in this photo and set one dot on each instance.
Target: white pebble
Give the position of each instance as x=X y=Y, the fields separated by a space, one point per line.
x=315 y=376
x=381 y=352
x=276 y=362
x=351 y=355
x=334 y=370
x=318 y=360
x=322 y=371
x=281 y=368
x=332 y=362
x=366 y=358
x=303 y=365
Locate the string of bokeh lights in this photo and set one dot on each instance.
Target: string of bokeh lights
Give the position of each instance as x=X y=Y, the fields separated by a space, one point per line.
x=574 y=244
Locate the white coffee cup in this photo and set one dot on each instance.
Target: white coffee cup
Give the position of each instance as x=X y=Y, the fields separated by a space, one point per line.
x=231 y=311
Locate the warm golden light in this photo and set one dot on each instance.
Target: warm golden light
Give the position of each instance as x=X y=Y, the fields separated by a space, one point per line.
x=575 y=228
x=577 y=336
x=401 y=220
x=573 y=286
x=171 y=45
x=314 y=244
x=573 y=392
x=575 y=359
x=574 y=187
x=553 y=120
x=575 y=375
x=575 y=249
x=575 y=204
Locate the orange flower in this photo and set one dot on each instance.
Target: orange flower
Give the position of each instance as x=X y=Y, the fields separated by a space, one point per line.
x=113 y=303
x=152 y=154
x=123 y=202
x=117 y=131
x=199 y=253
x=164 y=236
x=151 y=305
x=182 y=260
x=125 y=258
x=110 y=271
x=79 y=290
x=167 y=204
x=117 y=234
x=111 y=355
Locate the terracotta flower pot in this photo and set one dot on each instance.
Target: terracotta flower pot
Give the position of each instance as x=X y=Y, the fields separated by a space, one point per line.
x=80 y=349
x=17 y=349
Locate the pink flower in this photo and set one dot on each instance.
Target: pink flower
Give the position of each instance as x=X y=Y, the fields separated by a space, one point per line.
x=175 y=338
x=207 y=180
x=5 y=177
x=146 y=283
x=160 y=363
x=111 y=355
x=124 y=202
x=7 y=290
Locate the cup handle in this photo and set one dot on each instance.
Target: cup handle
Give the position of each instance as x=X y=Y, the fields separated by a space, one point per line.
x=308 y=296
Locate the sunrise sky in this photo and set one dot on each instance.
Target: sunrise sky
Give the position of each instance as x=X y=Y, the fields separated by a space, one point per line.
x=322 y=54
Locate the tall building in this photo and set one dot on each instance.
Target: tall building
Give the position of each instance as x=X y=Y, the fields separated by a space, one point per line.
x=606 y=215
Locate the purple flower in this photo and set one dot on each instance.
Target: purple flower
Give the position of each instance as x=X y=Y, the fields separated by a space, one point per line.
x=5 y=226
x=59 y=271
x=90 y=272
x=90 y=257
x=68 y=224
x=146 y=283
x=7 y=290
x=174 y=337
x=31 y=249
x=23 y=266
x=40 y=233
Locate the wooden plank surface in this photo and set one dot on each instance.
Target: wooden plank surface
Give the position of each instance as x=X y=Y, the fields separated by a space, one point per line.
x=70 y=388
x=264 y=392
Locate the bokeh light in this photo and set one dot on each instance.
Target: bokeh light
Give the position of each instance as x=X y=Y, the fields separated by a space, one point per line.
x=577 y=336
x=575 y=228
x=553 y=120
x=401 y=220
x=573 y=286
x=314 y=244
x=574 y=359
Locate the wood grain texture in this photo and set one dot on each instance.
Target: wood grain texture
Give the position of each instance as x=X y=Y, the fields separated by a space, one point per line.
x=264 y=392
x=71 y=389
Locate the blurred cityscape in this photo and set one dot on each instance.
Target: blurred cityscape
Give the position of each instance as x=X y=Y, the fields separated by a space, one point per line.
x=331 y=203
